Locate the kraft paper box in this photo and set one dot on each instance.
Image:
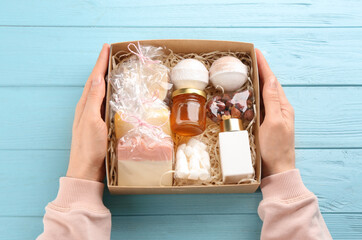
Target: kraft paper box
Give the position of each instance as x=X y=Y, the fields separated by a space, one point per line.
x=191 y=46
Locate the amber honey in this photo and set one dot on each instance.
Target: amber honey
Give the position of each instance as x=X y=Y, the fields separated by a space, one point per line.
x=188 y=112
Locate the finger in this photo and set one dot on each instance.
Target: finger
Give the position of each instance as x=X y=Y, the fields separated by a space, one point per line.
x=283 y=98
x=269 y=87
x=271 y=98
x=99 y=69
x=81 y=103
x=267 y=73
x=263 y=67
x=95 y=97
x=286 y=107
x=102 y=63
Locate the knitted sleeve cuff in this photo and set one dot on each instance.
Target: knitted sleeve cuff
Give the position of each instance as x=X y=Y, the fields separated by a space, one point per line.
x=285 y=185
x=80 y=194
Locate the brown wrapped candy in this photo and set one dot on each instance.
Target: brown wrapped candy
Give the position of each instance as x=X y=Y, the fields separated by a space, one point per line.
x=231 y=105
x=221 y=106
x=235 y=113
x=249 y=114
x=249 y=103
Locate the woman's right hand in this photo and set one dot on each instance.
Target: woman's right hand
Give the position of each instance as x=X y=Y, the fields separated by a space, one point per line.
x=89 y=139
x=277 y=130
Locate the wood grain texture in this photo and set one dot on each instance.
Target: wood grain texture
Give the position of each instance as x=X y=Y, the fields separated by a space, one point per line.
x=48 y=48
x=205 y=13
x=65 y=56
x=208 y=227
x=31 y=178
x=326 y=117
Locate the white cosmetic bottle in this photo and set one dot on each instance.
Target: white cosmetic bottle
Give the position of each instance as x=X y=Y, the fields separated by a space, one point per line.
x=235 y=156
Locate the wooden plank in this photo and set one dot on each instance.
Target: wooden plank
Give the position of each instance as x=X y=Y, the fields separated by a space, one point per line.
x=30 y=178
x=42 y=117
x=65 y=56
x=219 y=227
x=17 y=228
x=244 y=226
x=205 y=13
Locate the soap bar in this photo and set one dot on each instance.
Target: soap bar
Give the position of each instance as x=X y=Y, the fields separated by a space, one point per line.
x=155 y=115
x=147 y=164
x=235 y=157
x=121 y=127
x=157 y=80
x=159 y=116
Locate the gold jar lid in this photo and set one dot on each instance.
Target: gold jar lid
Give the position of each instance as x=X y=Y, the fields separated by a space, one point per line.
x=188 y=91
x=231 y=124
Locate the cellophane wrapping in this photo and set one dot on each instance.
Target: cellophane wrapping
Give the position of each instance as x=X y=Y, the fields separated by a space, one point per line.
x=141 y=118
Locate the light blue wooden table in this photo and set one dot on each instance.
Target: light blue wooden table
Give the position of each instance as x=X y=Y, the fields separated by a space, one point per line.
x=48 y=48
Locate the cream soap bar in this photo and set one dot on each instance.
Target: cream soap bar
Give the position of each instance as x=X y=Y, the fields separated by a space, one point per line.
x=156 y=115
x=149 y=164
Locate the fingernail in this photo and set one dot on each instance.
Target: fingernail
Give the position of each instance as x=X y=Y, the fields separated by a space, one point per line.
x=96 y=81
x=273 y=83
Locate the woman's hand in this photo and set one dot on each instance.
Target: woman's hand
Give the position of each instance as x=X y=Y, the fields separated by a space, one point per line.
x=277 y=130
x=89 y=140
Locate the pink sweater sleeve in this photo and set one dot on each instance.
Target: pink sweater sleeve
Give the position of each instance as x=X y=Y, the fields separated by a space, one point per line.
x=289 y=210
x=77 y=212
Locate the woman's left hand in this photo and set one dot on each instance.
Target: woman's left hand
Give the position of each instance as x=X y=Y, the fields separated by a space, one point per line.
x=89 y=139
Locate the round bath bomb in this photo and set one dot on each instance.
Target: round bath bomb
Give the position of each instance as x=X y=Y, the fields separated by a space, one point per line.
x=190 y=73
x=229 y=73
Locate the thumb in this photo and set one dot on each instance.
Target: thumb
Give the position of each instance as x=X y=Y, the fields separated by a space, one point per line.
x=95 y=96
x=269 y=84
x=271 y=98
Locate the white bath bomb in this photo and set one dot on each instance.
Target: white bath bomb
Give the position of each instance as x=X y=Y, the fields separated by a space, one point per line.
x=190 y=73
x=229 y=73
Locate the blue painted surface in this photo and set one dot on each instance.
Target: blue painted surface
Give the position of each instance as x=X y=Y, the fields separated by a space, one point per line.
x=48 y=48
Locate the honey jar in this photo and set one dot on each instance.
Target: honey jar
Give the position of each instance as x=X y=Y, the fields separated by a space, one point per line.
x=188 y=112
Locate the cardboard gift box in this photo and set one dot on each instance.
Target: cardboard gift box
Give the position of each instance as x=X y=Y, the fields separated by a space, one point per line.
x=191 y=46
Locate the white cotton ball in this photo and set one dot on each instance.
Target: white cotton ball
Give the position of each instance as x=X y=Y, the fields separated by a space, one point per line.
x=204 y=174
x=182 y=147
x=189 y=151
x=193 y=142
x=229 y=73
x=199 y=159
x=181 y=169
x=205 y=160
x=190 y=73
x=202 y=146
x=194 y=166
x=194 y=174
x=180 y=154
x=195 y=161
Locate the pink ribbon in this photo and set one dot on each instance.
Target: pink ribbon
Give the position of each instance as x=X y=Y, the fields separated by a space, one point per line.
x=139 y=53
x=155 y=94
x=144 y=59
x=140 y=122
x=152 y=99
